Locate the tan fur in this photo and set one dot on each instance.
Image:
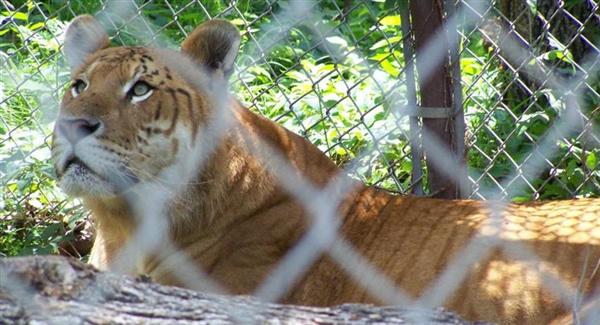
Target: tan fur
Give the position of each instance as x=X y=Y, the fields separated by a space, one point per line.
x=236 y=221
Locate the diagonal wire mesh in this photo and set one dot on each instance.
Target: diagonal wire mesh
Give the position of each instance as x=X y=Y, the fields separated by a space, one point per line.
x=335 y=73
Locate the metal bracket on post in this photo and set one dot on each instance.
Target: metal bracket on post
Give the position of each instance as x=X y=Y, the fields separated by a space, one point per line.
x=431 y=112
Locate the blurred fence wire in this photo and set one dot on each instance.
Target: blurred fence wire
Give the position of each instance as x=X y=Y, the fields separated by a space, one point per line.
x=346 y=75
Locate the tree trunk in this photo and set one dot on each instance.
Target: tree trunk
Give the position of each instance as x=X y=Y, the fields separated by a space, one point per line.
x=575 y=25
x=564 y=21
x=58 y=290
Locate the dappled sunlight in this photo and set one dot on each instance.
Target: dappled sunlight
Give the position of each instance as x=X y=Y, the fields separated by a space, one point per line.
x=573 y=221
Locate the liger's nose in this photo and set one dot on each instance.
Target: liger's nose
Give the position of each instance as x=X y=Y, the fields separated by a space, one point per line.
x=77 y=129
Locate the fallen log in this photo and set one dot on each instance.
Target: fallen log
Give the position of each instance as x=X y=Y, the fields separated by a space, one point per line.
x=59 y=290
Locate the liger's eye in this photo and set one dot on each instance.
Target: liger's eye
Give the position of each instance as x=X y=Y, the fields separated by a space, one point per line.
x=140 y=88
x=78 y=87
x=140 y=91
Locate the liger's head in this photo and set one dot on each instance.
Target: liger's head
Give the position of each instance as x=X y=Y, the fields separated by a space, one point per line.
x=130 y=111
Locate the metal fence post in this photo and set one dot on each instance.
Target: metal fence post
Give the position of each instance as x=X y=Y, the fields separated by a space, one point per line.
x=411 y=95
x=457 y=99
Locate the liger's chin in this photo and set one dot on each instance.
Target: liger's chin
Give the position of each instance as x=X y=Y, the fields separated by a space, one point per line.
x=78 y=180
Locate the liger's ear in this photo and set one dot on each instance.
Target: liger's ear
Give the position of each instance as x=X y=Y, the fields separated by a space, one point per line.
x=84 y=36
x=214 y=44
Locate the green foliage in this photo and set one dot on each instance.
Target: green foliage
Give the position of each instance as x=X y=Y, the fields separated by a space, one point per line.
x=30 y=74
x=507 y=123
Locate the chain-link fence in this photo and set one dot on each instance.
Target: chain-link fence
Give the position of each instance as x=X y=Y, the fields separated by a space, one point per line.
x=343 y=75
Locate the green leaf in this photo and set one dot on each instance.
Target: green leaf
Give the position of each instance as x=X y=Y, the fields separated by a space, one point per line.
x=560 y=55
x=341 y=151
x=379 y=56
x=552 y=191
x=591 y=161
x=237 y=21
x=390 y=20
x=37 y=25
x=386 y=42
x=20 y=16
x=307 y=65
x=521 y=199
x=337 y=41
x=573 y=169
x=389 y=68
x=470 y=66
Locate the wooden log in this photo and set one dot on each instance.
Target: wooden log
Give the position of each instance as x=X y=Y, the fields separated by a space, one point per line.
x=59 y=290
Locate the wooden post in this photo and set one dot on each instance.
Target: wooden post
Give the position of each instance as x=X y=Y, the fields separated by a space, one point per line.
x=435 y=90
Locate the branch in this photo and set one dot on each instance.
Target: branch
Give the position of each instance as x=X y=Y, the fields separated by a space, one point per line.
x=58 y=290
